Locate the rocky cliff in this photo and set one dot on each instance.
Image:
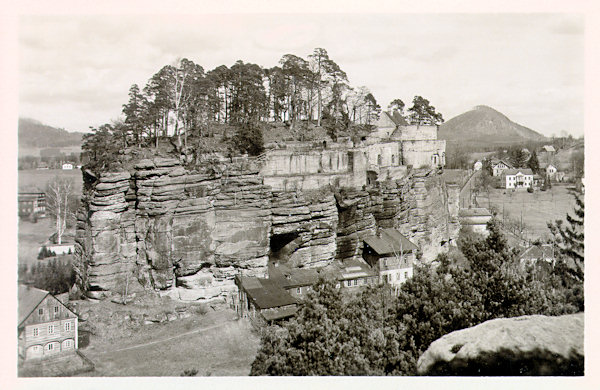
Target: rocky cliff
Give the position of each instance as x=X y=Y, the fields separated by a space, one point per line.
x=162 y=226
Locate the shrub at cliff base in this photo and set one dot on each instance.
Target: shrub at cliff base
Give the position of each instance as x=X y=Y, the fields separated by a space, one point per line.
x=375 y=333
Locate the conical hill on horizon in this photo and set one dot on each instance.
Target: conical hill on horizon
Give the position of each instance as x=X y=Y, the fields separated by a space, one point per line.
x=485 y=125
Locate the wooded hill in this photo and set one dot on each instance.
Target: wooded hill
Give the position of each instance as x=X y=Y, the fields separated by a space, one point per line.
x=484 y=126
x=34 y=134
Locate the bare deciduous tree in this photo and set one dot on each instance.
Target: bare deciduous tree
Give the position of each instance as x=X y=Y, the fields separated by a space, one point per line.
x=58 y=192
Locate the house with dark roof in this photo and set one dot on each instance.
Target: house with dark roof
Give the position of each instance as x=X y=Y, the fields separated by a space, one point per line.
x=263 y=300
x=32 y=204
x=296 y=281
x=391 y=255
x=46 y=327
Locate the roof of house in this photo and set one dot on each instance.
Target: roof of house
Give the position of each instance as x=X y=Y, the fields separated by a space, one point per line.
x=348 y=269
x=524 y=171
x=399 y=119
x=265 y=293
x=279 y=313
x=474 y=212
x=537 y=252
x=549 y=148
x=496 y=161
x=389 y=242
x=29 y=298
x=546 y=165
x=288 y=277
x=395 y=117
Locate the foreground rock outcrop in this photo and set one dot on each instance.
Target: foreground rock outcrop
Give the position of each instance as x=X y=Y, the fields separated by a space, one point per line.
x=528 y=345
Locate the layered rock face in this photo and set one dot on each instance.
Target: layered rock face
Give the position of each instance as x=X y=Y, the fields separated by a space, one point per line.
x=161 y=226
x=528 y=345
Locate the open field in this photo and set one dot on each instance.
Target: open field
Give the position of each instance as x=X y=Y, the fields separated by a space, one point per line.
x=31 y=237
x=537 y=208
x=33 y=178
x=215 y=343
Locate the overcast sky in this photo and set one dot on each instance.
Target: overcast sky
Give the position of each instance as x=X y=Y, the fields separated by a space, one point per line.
x=75 y=71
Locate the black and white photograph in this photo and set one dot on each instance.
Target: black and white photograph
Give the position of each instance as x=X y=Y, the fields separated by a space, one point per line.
x=307 y=194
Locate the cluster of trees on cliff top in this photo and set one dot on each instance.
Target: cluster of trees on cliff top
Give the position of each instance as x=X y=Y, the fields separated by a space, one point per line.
x=376 y=333
x=184 y=101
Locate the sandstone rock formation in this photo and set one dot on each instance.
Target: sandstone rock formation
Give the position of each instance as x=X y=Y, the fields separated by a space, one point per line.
x=528 y=345
x=162 y=226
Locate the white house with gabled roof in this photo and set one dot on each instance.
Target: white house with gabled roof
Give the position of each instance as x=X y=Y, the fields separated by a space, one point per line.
x=517 y=178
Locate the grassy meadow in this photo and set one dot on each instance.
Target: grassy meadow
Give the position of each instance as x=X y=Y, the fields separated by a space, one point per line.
x=32 y=178
x=537 y=208
x=212 y=344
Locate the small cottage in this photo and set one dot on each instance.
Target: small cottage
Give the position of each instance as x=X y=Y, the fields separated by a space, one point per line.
x=536 y=254
x=475 y=219
x=499 y=166
x=46 y=327
x=263 y=300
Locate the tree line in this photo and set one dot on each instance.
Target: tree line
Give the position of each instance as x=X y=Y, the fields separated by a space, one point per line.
x=184 y=103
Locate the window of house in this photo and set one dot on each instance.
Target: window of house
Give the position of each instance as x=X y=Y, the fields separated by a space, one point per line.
x=50 y=329
x=41 y=311
x=68 y=343
x=349 y=283
x=36 y=332
x=389 y=277
x=67 y=326
x=50 y=347
x=406 y=275
x=355 y=282
x=55 y=309
x=298 y=290
x=36 y=348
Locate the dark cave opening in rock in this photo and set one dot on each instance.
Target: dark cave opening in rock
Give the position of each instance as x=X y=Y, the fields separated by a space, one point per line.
x=282 y=246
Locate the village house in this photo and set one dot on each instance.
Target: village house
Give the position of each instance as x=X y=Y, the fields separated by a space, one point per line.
x=548 y=149
x=475 y=219
x=517 y=178
x=67 y=166
x=350 y=273
x=42 y=165
x=550 y=170
x=32 y=203
x=46 y=327
x=478 y=165
x=499 y=166
x=263 y=300
x=536 y=254
x=391 y=255
x=296 y=281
